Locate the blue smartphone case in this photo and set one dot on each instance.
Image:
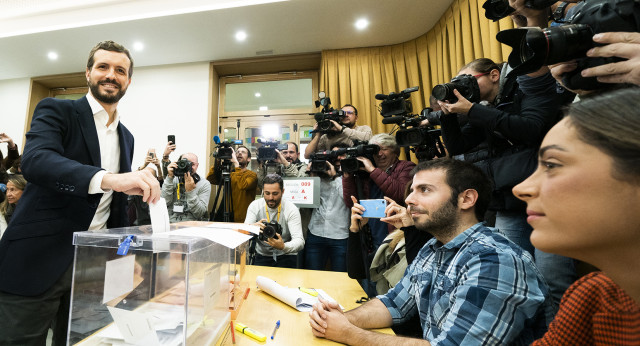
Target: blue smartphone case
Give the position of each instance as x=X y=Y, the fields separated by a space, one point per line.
x=373 y=207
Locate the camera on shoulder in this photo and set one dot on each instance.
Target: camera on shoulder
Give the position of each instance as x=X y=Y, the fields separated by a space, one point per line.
x=327 y=114
x=270 y=229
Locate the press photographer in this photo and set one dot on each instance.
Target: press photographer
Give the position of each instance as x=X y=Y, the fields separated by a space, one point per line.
x=286 y=161
x=187 y=196
x=279 y=221
x=344 y=130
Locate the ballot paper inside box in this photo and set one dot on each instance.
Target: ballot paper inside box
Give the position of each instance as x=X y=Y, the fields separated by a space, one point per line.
x=163 y=291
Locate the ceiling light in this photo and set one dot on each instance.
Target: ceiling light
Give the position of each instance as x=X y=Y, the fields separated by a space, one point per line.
x=263 y=108
x=52 y=56
x=257 y=94
x=138 y=46
x=241 y=36
x=362 y=24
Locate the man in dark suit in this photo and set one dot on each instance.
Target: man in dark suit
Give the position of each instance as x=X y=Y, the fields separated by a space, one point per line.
x=77 y=160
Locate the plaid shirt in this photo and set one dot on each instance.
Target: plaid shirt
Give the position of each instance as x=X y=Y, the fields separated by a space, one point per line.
x=479 y=288
x=595 y=311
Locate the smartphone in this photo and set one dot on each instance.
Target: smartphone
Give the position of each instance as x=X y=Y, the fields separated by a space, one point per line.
x=151 y=153
x=373 y=207
x=171 y=138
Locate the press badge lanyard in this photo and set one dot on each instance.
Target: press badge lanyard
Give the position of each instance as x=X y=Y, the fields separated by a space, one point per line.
x=277 y=220
x=178 y=206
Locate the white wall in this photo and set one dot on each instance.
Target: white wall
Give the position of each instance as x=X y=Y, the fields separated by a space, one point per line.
x=14 y=94
x=168 y=100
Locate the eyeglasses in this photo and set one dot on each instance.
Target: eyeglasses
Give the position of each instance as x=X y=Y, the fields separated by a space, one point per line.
x=480 y=75
x=349 y=112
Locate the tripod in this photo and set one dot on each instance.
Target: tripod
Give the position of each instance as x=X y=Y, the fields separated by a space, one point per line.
x=224 y=184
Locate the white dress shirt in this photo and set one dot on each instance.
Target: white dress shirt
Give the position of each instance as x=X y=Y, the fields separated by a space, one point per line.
x=109 y=160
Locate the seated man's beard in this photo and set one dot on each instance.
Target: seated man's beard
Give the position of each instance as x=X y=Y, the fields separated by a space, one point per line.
x=442 y=222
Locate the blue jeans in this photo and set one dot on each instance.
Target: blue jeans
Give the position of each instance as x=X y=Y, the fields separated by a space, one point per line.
x=283 y=261
x=514 y=226
x=319 y=249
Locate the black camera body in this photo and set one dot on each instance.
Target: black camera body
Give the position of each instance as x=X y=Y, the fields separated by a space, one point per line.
x=184 y=167
x=267 y=152
x=319 y=161
x=270 y=229
x=535 y=47
x=350 y=164
x=224 y=151
x=466 y=84
x=498 y=9
x=324 y=117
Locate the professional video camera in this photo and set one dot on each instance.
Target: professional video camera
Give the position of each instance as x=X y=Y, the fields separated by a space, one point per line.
x=350 y=164
x=396 y=103
x=267 y=152
x=424 y=141
x=466 y=84
x=327 y=114
x=224 y=151
x=270 y=229
x=498 y=9
x=535 y=47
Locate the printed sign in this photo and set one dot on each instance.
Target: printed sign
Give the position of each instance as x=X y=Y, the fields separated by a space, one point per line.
x=303 y=192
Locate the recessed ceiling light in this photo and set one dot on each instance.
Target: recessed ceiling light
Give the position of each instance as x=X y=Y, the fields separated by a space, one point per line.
x=258 y=94
x=52 y=56
x=241 y=36
x=362 y=24
x=138 y=46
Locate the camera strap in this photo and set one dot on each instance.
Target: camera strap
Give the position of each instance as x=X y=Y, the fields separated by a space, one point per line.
x=266 y=210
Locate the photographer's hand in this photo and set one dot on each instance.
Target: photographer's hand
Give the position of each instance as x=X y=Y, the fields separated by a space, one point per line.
x=189 y=183
x=331 y=171
x=336 y=127
x=368 y=166
x=356 y=216
x=558 y=70
x=260 y=224
x=234 y=158
x=168 y=149
x=170 y=169
x=618 y=44
x=4 y=138
x=276 y=242
x=281 y=159
x=461 y=107
x=397 y=215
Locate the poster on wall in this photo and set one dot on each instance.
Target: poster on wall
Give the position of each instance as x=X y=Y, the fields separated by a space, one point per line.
x=303 y=192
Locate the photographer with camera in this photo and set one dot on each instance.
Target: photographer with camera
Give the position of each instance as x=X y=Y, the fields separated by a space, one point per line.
x=243 y=181
x=329 y=224
x=281 y=237
x=345 y=132
x=287 y=161
x=187 y=195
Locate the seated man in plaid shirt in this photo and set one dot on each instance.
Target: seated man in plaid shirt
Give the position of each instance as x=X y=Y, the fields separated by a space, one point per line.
x=469 y=284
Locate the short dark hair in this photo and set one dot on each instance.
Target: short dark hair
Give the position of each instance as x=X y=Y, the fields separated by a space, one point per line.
x=482 y=65
x=355 y=110
x=242 y=146
x=112 y=47
x=462 y=176
x=273 y=178
x=294 y=144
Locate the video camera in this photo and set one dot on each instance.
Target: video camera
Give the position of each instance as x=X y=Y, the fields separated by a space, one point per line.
x=184 y=167
x=535 y=47
x=327 y=114
x=270 y=229
x=466 y=84
x=498 y=9
x=350 y=164
x=424 y=141
x=319 y=160
x=267 y=152
x=224 y=151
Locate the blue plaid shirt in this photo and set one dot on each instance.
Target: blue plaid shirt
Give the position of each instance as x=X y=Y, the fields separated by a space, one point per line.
x=478 y=289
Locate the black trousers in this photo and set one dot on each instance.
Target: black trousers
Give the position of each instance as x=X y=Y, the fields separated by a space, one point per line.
x=26 y=320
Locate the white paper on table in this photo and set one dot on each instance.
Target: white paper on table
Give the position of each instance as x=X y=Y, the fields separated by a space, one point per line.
x=159 y=216
x=226 y=237
x=291 y=296
x=118 y=277
x=135 y=327
x=230 y=225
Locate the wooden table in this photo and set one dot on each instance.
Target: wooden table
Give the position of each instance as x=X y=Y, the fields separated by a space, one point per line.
x=261 y=311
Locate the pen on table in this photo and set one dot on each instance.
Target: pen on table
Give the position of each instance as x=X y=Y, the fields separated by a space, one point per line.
x=250 y=332
x=233 y=334
x=275 y=329
x=246 y=293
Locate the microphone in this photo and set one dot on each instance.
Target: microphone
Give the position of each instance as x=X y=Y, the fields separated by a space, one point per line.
x=410 y=90
x=381 y=97
x=393 y=120
x=216 y=139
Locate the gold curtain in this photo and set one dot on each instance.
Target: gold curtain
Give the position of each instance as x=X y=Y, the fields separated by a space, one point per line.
x=356 y=75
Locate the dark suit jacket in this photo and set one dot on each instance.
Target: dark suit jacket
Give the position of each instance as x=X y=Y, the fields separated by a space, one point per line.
x=61 y=156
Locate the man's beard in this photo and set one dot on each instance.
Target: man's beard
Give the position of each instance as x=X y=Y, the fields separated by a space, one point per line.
x=442 y=221
x=273 y=204
x=104 y=97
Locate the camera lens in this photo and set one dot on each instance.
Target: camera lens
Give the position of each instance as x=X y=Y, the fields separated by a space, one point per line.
x=444 y=92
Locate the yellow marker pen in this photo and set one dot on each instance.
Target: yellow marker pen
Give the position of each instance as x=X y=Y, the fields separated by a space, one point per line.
x=309 y=291
x=250 y=332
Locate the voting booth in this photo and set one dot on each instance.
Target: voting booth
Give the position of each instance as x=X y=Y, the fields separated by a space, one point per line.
x=134 y=287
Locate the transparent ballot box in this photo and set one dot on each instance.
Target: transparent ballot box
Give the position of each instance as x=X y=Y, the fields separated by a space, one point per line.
x=166 y=290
